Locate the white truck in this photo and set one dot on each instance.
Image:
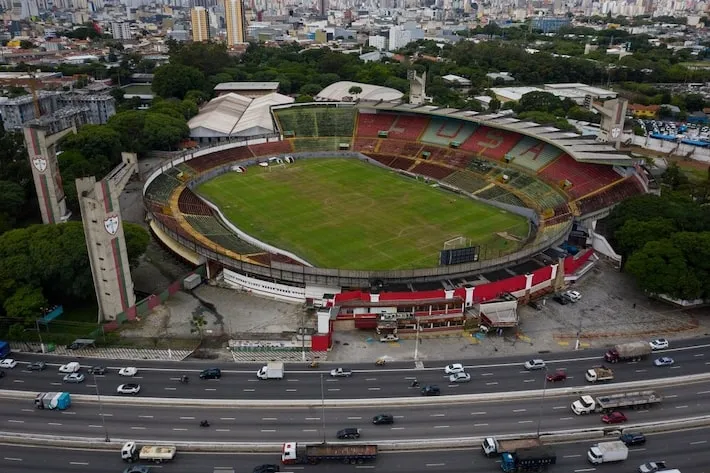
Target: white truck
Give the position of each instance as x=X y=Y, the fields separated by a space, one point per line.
x=599 y=374
x=154 y=453
x=272 y=370
x=637 y=399
x=607 y=452
x=491 y=446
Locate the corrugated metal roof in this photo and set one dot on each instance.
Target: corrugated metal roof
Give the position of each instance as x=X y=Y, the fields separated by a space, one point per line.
x=337 y=91
x=247 y=86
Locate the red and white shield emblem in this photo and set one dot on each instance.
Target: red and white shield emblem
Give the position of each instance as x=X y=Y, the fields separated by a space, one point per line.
x=111 y=224
x=39 y=163
x=615 y=132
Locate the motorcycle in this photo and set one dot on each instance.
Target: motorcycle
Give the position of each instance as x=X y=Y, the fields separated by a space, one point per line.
x=184 y=379
x=415 y=384
x=204 y=423
x=380 y=362
x=314 y=364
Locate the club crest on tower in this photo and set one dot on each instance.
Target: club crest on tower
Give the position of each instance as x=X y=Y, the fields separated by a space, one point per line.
x=39 y=163
x=111 y=224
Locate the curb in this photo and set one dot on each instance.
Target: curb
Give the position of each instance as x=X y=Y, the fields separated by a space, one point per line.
x=554 y=437
x=393 y=401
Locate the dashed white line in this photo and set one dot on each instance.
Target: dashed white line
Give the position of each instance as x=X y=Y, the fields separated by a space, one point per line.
x=137 y=428
x=210 y=389
x=333 y=389
x=486 y=374
x=221 y=430
x=528 y=381
x=698 y=355
x=637 y=450
x=480 y=425
x=640 y=371
x=179 y=429
x=560 y=407
x=291 y=380
x=441 y=426
x=585 y=469
x=268 y=430
x=698 y=442
x=54 y=423
x=671 y=396
x=79 y=463
x=354 y=418
x=22 y=381
x=13 y=459
x=227 y=418
x=681 y=407
x=434 y=465
x=93 y=426
x=310 y=430
x=269 y=418
x=703 y=392
x=437 y=415
x=480 y=413
x=566 y=418
x=66 y=413
x=571 y=456
x=312 y=418
x=675 y=367
x=396 y=428
x=27 y=410
x=248 y=390
x=106 y=415
x=493 y=383
x=373 y=389
x=291 y=390
x=524 y=422
x=519 y=410
x=370 y=379
x=187 y=418
x=170 y=389
x=16 y=421
x=148 y=417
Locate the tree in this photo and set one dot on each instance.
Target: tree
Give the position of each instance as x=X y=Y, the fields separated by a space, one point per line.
x=494 y=105
x=210 y=58
x=137 y=239
x=355 y=90
x=634 y=234
x=198 y=325
x=24 y=44
x=11 y=204
x=175 y=80
x=96 y=140
x=163 y=132
x=539 y=102
x=311 y=89
x=129 y=126
x=25 y=303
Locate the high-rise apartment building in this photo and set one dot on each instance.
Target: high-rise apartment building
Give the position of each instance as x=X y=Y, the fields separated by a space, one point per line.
x=200 y=24
x=121 y=30
x=236 y=22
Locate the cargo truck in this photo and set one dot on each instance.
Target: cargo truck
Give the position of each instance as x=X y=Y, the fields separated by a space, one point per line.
x=59 y=401
x=607 y=452
x=632 y=351
x=272 y=370
x=490 y=446
x=4 y=349
x=130 y=452
x=295 y=453
x=527 y=459
x=636 y=400
x=599 y=374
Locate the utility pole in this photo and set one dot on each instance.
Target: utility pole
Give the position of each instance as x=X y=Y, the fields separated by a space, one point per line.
x=101 y=409
x=39 y=334
x=322 y=400
x=542 y=402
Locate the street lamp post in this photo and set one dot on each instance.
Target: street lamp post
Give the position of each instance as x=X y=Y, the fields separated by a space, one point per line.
x=39 y=334
x=416 y=341
x=322 y=403
x=101 y=409
x=542 y=402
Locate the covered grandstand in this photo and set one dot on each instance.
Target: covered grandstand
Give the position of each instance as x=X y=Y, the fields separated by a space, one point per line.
x=340 y=92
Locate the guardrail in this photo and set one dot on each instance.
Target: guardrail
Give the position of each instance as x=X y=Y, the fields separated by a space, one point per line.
x=391 y=401
x=553 y=437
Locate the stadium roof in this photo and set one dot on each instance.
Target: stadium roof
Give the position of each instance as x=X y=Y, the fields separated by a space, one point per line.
x=339 y=92
x=247 y=86
x=235 y=115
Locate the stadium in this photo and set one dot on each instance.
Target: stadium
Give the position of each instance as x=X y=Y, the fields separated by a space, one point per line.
x=547 y=178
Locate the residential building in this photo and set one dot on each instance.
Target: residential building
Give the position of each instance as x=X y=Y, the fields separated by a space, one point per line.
x=379 y=42
x=99 y=107
x=399 y=37
x=200 y=24
x=121 y=30
x=236 y=22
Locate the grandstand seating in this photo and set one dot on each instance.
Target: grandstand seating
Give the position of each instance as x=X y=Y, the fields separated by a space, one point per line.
x=266 y=258
x=399 y=148
x=381 y=158
x=161 y=188
x=585 y=177
x=481 y=166
x=276 y=147
x=189 y=203
x=370 y=124
x=442 y=131
x=173 y=225
x=561 y=213
x=500 y=195
x=212 y=229
x=466 y=181
x=401 y=163
x=317 y=121
x=328 y=143
x=452 y=157
x=491 y=142
x=533 y=154
x=549 y=229
x=538 y=194
x=431 y=170
x=364 y=145
x=408 y=127
x=610 y=196
x=212 y=160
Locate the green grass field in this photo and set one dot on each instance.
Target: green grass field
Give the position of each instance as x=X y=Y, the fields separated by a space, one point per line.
x=343 y=213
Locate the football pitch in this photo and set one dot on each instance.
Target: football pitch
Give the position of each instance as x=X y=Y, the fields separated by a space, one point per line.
x=344 y=213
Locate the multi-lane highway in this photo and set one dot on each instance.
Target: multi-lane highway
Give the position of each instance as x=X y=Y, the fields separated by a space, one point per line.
x=438 y=420
x=687 y=452
x=161 y=379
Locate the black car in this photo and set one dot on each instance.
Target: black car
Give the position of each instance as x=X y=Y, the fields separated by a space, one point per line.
x=266 y=468
x=431 y=390
x=211 y=373
x=561 y=299
x=97 y=370
x=349 y=433
x=137 y=469
x=633 y=439
x=383 y=419
x=2 y=373
x=36 y=366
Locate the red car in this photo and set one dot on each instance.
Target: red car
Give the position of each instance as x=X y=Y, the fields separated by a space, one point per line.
x=615 y=417
x=559 y=375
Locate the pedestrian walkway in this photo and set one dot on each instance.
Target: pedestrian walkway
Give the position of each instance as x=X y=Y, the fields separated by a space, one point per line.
x=108 y=353
x=277 y=355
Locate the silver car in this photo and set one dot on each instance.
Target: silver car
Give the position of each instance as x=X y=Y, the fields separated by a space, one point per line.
x=74 y=378
x=460 y=378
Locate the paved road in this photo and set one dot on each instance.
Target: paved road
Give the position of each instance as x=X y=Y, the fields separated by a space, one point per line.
x=686 y=451
x=160 y=379
x=280 y=425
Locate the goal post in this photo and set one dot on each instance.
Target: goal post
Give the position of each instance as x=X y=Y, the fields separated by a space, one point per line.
x=458 y=242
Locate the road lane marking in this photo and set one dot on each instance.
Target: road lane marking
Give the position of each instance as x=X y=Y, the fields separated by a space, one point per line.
x=27 y=410
x=74 y=413
x=269 y=418
x=373 y=389
x=478 y=413
x=187 y=418
x=493 y=383
x=681 y=407
x=56 y=384
x=703 y=392
x=170 y=389
x=291 y=380
x=354 y=418
x=434 y=465
x=565 y=418
x=54 y=423
x=560 y=407
x=268 y=430
x=396 y=428
x=637 y=450
x=148 y=417
x=94 y=426
x=675 y=367
x=221 y=430
x=310 y=430
x=399 y=417
x=179 y=429
x=480 y=425
x=248 y=390
x=698 y=442
x=16 y=421
x=137 y=428
x=312 y=418
x=370 y=379
x=671 y=396
x=13 y=459
x=519 y=410
x=227 y=418
x=210 y=389
x=441 y=426
x=528 y=381
x=486 y=374
x=640 y=371
x=106 y=415
x=437 y=415
x=585 y=469
x=572 y=456
x=291 y=390
x=699 y=354
x=79 y=463
x=333 y=389
x=19 y=381
x=365 y=467
x=524 y=422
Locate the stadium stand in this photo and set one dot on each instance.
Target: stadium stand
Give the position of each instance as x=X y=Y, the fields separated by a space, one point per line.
x=328 y=143
x=408 y=127
x=211 y=228
x=549 y=229
x=431 y=170
x=537 y=194
x=189 y=203
x=382 y=158
x=491 y=142
x=370 y=124
x=173 y=225
x=561 y=213
x=584 y=177
x=399 y=148
x=276 y=147
x=499 y=194
x=187 y=171
x=266 y=258
x=533 y=154
x=401 y=163
x=317 y=121
x=466 y=181
x=364 y=145
x=481 y=166
x=609 y=196
x=442 y=131
x=449 y=156
x=161 y=188
x=212 y=160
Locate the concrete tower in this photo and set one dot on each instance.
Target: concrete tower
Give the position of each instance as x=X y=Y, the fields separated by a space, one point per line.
x=236 y=22
x=417 y=88
x=613 y=115
x=101 y=216
x=42 y=152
